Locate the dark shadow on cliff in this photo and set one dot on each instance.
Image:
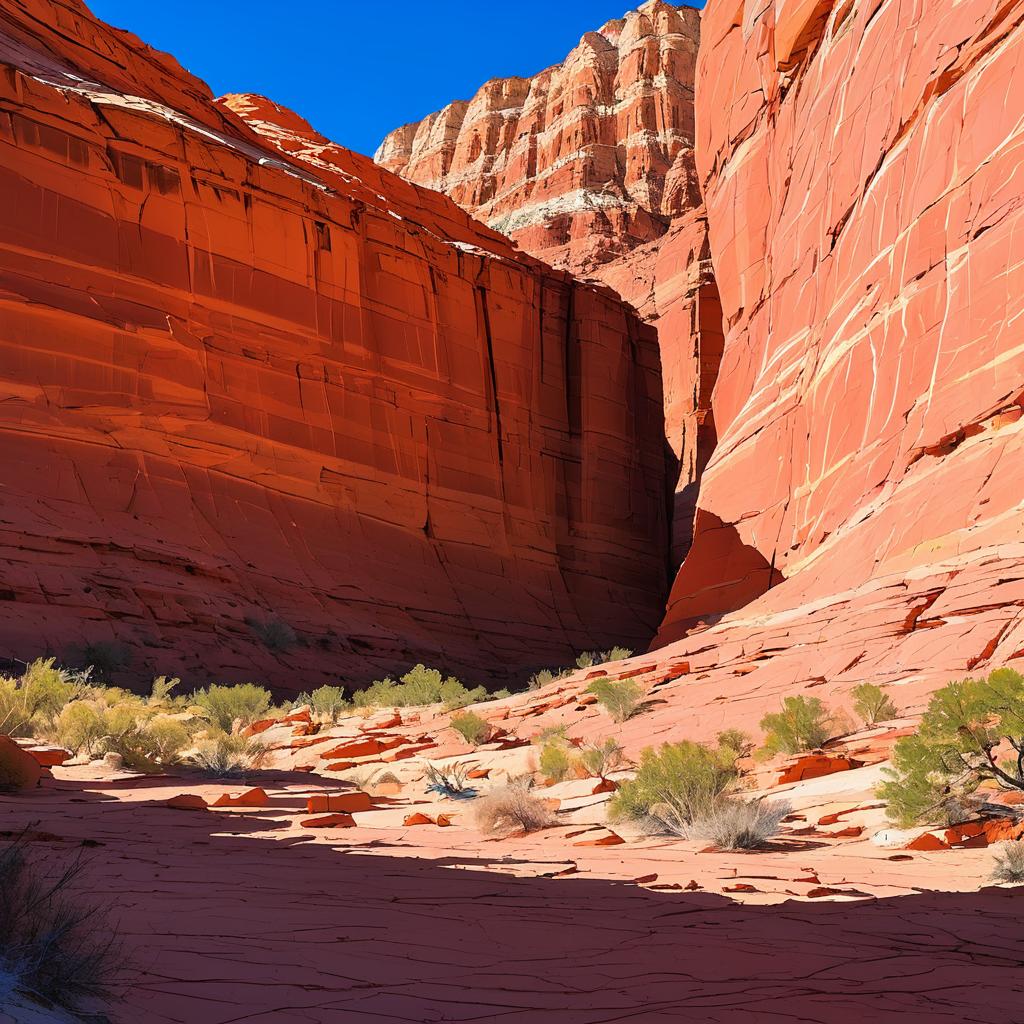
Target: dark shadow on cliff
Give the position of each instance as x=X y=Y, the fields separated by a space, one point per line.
x=721 y=573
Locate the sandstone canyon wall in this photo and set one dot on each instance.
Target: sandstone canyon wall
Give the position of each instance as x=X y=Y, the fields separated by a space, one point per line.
x=590 y=166
x=585 y=160
x=288 y=417
x=862 y=164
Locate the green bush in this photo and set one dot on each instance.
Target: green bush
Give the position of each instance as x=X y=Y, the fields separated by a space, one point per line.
x=224 y=755
x=956 y=748
x=617 y=654
x=673 y=785
x=803 y=724
x=600 y=758
x=472 y=728
x=554 y=761
x=224 y=705
x=146 y=739
x=872 y=704
x=735 y=739
x=620 y=698
x=419 y=687
x=325 y=702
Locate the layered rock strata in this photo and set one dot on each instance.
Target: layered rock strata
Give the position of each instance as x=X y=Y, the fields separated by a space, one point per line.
x=585 y=160
x=280 y=418
x=861 y=164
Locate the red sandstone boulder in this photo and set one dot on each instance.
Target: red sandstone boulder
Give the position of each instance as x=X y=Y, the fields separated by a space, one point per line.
x=256 y=797
x=348 y=802
x=813 y=766
x=339 y=820
x=187 y=802
x=18 y=768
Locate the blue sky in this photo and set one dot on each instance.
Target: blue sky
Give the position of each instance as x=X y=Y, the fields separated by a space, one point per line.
x=358 y=68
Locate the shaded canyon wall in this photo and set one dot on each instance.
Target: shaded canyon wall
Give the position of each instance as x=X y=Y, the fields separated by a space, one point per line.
x=269 y=420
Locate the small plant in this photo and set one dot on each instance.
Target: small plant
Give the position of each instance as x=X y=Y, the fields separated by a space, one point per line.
x=162 y=691
x=224 y=755
x=674 y=785
x=735 y=739
x=587 y=659
x=52 y=945
x=735 y=824
x=554 y=761
x=327 y=703
x=471 y=727
x=957 y=747
x=872 y=704
x=1009 y=863
x=803 y=724
x=620 y=698
x=617 y=654
x=224 y=705
x=275 y=634
x=600 y=758
x=510 y=808
x=540 y=678
x=449 y=779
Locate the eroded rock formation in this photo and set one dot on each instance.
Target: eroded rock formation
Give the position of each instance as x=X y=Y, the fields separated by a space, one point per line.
x=288 y=417
x=583 y=161
x=861 y=165
x=590 y=165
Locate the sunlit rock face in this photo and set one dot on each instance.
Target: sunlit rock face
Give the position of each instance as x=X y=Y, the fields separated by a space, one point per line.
x=271 y=412
x=585 y=160
x=861 y=165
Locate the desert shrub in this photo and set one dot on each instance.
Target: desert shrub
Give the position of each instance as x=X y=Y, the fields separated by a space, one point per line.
x=168 y=738
x=224 y=705
x=325 y=702
x=30 y=705
x=419 y=687
x=956 y=748
x=161 y=693
x=620 y=698
x=803 y=724
x=872 y=704
x=512 y=807
x=540 y=678
x=471 y=727
x=54 y=946
x=81 y=727
x=673 y=785
x=602 y=757
x=735 y=824
x=587 y=659
x=1009 y=862
x=554 y=762
x=275 y=634
x=448 y=779
x=735 y=739
x=146 y=738
x=15 y=711
x=224 y=754
x=617 y=654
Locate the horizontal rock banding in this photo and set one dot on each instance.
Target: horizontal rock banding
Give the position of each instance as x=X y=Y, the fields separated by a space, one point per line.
x=288 y=419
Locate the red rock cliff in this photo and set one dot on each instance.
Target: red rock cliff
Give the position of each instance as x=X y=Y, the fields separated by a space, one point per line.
x=583 y=161
x=289 y=417
x=590 y=166
x=862 y=165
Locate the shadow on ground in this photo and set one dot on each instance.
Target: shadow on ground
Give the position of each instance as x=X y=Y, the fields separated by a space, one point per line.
x=225 y=928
